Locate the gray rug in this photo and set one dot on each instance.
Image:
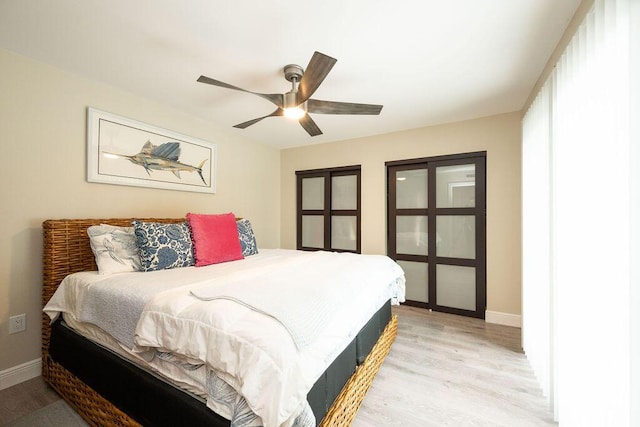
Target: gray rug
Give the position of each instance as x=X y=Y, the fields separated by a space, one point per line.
x=55 y=415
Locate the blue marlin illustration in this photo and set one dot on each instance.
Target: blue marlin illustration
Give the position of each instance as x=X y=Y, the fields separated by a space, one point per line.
x=162 y=157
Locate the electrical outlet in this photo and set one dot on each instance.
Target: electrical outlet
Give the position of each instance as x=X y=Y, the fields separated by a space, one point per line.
x=17 y=323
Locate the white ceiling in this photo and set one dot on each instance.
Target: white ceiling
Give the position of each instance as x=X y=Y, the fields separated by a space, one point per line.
x=426 y=61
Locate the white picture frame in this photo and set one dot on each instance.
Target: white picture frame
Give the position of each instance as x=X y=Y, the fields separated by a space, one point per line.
x=123 y=151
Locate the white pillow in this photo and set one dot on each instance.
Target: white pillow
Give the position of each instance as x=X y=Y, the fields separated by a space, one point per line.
x=114 y=248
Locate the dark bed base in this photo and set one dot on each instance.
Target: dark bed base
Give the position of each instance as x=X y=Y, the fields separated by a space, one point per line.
x=146 y=398
x=151 y=401
x=106 y=391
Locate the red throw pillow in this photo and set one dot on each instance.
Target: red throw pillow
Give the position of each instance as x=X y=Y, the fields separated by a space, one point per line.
x=215 y=238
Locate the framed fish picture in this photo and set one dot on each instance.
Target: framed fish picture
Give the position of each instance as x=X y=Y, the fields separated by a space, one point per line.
x=127 y=152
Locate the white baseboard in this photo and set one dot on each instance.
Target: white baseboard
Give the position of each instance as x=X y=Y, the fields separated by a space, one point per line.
x=17 y=374
x=506 y=319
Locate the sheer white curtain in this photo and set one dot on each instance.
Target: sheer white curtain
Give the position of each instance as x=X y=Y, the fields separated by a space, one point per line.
x=536 y=232
x=590 y=148
x=583 y=357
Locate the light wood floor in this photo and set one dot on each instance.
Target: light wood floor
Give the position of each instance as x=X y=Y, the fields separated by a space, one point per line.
x=446 y=370
x=443 y=370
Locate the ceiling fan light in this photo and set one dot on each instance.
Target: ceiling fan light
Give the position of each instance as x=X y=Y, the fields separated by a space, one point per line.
x=294 y=113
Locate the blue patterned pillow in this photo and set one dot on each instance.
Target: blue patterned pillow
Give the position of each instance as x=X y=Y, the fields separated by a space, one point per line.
x=247 y=238
x=163 y=246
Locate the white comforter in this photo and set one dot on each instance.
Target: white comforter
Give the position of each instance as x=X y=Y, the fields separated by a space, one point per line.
x=253 y=352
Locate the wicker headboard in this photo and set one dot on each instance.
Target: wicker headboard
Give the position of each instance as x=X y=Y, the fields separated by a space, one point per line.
x=67 y=250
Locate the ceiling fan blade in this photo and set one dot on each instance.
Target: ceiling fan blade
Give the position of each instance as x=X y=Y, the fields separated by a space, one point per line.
x=244 y=125
x=309 y=125
x=318 y=68
x=276 y=98
x=331 y=107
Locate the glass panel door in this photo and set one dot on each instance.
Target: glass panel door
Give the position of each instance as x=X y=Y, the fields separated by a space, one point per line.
x=312 y=231
x=344 y=232
x=456 y=236
x=456 y=287
x=410 y=223
x=459 y=225
x=436 y=231
x=313 y=199
x=411 y=235
x=411 y=188
x=344 y=212
x=456 y=186
x=313 y=193
x=416 y=275
x=328 y=209
x=344 y=192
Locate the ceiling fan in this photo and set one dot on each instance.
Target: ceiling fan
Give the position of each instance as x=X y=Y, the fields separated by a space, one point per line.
x=297 y=103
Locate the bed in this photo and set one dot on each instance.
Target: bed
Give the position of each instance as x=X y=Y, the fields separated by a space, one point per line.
x=108 y=389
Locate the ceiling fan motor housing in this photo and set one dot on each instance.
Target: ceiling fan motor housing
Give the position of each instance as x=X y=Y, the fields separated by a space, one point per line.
x=293 y=71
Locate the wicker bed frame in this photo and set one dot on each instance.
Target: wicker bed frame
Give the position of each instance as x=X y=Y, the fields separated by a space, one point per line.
x=67 y=250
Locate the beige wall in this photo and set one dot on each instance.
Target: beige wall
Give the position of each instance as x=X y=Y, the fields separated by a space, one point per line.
x=498 y=135
x=43 y=175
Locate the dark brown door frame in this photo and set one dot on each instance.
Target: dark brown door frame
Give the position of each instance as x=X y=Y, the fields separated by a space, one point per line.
x=479 y=211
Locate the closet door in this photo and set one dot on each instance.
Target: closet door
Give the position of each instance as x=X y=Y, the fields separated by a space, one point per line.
x=436 y=231
x=328 y=209
x=408 y=227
